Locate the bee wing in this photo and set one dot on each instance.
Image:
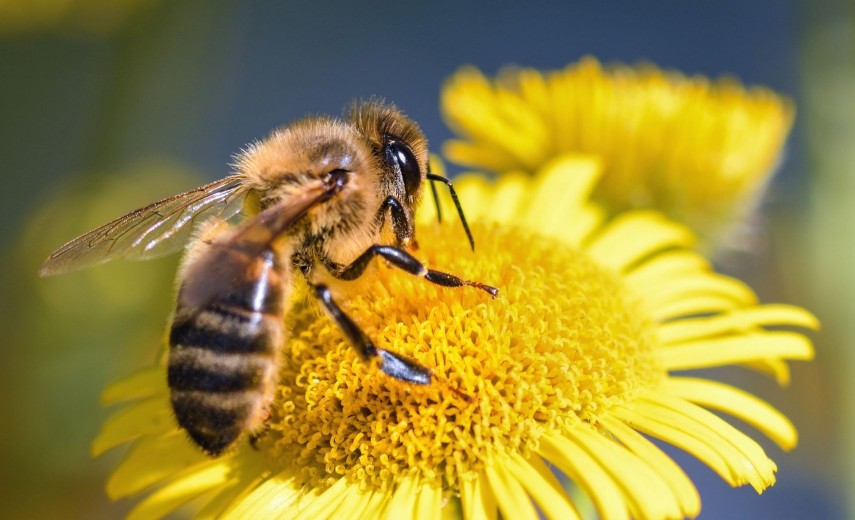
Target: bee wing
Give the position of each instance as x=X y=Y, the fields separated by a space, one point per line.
x=228 y=259
x=155 y=230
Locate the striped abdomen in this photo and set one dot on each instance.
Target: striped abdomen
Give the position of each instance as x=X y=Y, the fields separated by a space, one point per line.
x=223 y=357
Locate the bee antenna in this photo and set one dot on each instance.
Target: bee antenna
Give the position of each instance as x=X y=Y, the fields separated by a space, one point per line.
x=433 y=177
x=436 y=200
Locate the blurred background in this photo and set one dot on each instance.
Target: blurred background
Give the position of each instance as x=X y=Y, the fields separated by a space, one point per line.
x=107 y=105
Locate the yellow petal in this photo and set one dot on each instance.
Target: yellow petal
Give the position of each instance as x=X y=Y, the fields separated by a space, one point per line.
x=662 y=428
x=553 y=502
x=375 y=506
x=632 y=236
x=355 y=503
x=692 y=305
x=777 y=368
x=144 y=383
x=681 y=486
x=583 y=469
x=510 y=193
x=466 y=153
x=403 y=501
x=250 y=471
x=737 y=403
x=325 y=504
x=755 y=465
x=478 y=500
x=559 y=194
x=181 y=490
x=745 y=459
x=559 y=206
x=668 y=264
x=737 y=320
x=546 y=474
x=429 y=503
x=153 y=459
x=583 y=225
x=511 y=497
x=532 y=86
x=735 y=349
x=271 y=499
x=496 y=119
x=674 y=290
x=640 y=483
x=227 y=496
x=149 y=417
x=219 y=501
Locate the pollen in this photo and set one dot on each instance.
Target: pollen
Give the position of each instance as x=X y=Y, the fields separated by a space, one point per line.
x=561 y=343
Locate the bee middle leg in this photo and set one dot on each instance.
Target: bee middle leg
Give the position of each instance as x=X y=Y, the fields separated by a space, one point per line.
x=403 y=260
x=391 y=364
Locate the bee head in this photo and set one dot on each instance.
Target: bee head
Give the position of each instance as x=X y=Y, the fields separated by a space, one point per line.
x=400 y=150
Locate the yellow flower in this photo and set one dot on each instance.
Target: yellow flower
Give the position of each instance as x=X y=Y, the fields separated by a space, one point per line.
x=563 y=376
x=97 y=17
x=699 y=151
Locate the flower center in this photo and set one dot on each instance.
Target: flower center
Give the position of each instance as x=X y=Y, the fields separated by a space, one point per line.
x=561 y=344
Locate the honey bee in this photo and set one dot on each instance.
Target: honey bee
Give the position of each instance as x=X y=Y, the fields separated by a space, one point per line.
x=325 y=196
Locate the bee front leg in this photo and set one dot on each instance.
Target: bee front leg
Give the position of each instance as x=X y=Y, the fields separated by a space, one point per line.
x=401 y=225
x=403 y=260
x=391 y=364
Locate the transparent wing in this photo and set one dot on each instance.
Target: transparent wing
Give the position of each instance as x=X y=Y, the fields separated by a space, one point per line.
x=229 y=257
x=155 y=230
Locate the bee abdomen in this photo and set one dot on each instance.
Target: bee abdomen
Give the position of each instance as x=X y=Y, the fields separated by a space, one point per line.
x=226 y=329
x=215 y=421
x=223 y=357
x=218 y=395
x=194 y=368
x=221 y=373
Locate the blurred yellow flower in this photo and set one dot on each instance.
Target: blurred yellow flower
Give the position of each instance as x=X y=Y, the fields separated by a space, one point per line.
x=699 y=151
x=87 y=16
x=564 y=375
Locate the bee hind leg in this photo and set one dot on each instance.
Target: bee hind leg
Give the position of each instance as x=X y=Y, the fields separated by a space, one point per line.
x=256 y=436
x=391 y=364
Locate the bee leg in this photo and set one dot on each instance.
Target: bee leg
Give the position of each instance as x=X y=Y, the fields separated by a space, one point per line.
x=401 y=225
x=403 y=260
x=256 y=436
x=391 y=364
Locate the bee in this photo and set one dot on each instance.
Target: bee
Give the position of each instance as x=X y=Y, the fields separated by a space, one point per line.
x=324 y=197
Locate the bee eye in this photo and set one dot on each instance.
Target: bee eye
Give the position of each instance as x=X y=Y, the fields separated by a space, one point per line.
x=401 y=158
